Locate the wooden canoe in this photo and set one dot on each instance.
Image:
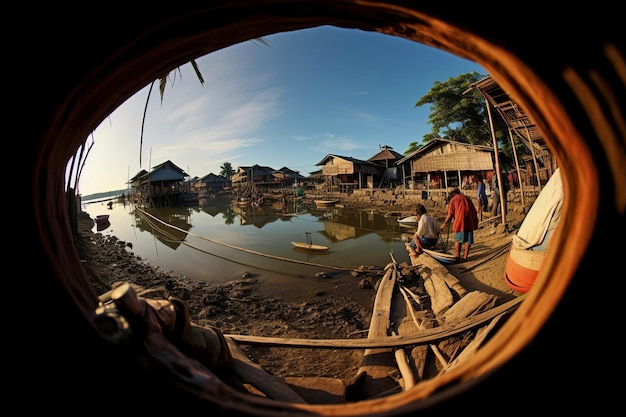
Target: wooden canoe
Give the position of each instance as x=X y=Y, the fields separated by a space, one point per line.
x=309 y=246
x=442 y=257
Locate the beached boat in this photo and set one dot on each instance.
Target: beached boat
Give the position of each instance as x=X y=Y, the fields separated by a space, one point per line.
x=102 y=218
x=442 y=257
x=530 y=244
x=102 y=222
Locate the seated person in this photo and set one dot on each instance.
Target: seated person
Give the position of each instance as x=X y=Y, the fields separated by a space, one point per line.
x=427 y=234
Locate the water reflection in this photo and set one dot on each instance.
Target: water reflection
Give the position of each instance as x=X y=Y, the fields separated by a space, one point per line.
x=256 y=216
x=220 y=241
x=341 y=224
x=172 y=237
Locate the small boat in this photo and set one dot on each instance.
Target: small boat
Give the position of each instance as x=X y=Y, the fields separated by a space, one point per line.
x=325 y=203
x=102 y=222
x=243 y=201
x=408 y=221
x=103 y=225
x=439 y=255
x=529 y=245
x=395 y=214
x=444 y=258
x=102 y=218
x=309 y=245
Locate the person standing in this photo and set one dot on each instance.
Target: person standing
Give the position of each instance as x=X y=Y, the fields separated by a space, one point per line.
x=495 y=192
x=482 y=195
x=427 y=234
x=463 y=211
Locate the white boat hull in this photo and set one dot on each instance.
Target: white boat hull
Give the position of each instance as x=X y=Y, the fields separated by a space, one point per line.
x=408 y=221
x=309 y=246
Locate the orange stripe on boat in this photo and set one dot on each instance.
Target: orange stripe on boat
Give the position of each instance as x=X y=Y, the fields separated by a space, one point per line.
x=522 y=268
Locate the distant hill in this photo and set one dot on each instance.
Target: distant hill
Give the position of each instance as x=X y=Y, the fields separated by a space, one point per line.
x=102 y=196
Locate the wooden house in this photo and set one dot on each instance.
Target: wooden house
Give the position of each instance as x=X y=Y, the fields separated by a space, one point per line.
x=212 y=184
x=387 y=158
x=138 y=185
x=314 y=180
x=164 y=185
x=255 y=174
x=344 y=173
x=254 y=180
x=288 y=177
x=443 y=163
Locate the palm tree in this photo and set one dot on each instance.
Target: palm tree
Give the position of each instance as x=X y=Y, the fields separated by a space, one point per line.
x=163 y=82
x=227 y=170
x=229 y=215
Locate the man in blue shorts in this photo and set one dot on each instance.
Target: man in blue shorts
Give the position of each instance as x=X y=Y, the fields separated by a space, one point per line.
x=463 y=211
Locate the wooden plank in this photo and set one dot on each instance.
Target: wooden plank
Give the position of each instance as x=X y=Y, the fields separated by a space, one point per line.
x=379 y=324
x=473 y=346
x=473 y=303
x=378 y=367
x=253 y=374
x=418 y=327
x=441 y=298
x=425 y=337
x=434 y=267
x=405 y=368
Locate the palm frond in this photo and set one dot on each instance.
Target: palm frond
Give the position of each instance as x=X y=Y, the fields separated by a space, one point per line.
x=194 y=64
x=143 y=120
x=163 y=84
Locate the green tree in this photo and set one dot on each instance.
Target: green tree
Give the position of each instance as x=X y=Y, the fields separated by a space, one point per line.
x=413 y=146
x=226 y=170
x=459 y=113
x=229 y=215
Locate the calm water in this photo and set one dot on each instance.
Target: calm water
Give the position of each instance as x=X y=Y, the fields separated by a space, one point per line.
x=220 y=242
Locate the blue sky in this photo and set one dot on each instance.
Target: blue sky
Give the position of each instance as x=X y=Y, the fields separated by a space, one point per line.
x=304 y=95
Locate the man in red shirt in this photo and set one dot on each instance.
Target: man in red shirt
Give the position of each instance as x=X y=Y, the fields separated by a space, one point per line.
x=463 y=211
